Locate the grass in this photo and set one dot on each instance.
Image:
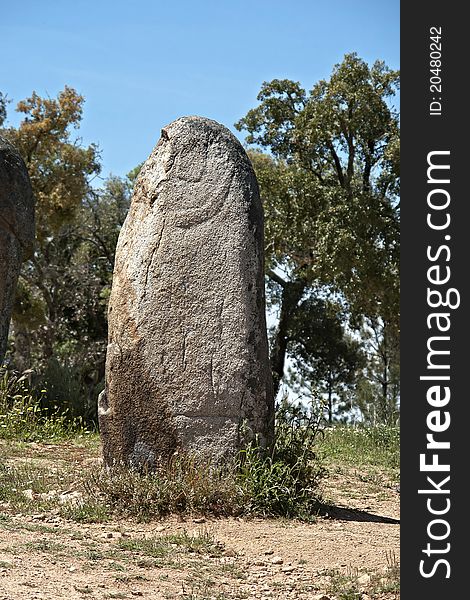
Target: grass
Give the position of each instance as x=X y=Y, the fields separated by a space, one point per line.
x=47 y=546
x=87 y=511
x=273 y=485
x=165 y=545
x=34 y=476
x=283 y=482
x=362 y=446
x=353 y=584
x=24 y=417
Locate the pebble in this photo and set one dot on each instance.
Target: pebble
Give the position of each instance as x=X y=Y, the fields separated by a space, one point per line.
x=276 y=560
x=28 y=494
x=288 y=569
x=363 y=579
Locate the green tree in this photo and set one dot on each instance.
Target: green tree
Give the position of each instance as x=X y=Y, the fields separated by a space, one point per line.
x=60 y=169
x=327 y=359
x=59 y=322
x=329 y=187
x=378 y=390
x=86 y=266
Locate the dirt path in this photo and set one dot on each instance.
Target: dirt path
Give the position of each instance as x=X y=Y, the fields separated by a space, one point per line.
x=353 y=550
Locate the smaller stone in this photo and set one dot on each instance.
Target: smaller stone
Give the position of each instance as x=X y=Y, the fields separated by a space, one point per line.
x=270 y=551
x=28 y=494
x=288 y=569
x=277 y=560
x=107 y=535
x=70 y=497
x=364 y=579
x=199 y=520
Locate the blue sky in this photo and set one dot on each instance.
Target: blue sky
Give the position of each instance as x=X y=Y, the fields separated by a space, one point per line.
x=144 y=63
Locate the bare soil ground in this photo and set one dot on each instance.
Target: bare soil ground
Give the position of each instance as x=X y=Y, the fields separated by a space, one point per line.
x=351 y=552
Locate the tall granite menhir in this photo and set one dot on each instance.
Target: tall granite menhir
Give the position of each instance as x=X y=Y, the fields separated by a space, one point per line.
x=187 y=361
x=16 y=230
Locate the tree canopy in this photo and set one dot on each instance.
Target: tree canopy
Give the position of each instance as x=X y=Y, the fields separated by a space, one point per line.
x=328 y=166
x=59 y=321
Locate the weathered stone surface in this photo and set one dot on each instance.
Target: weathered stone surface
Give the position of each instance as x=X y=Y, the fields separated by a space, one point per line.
x=16 y=230
x=187 y=360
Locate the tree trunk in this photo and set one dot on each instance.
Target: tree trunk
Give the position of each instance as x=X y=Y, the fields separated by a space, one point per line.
x=330 y=402
x=292 y=292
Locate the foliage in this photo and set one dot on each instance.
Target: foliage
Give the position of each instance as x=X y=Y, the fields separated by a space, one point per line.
x=59 y=319
x=23 y=415
x=378 y=446
x=332 y=184
x=326 y=358
x=3 y=108
x=377 y=393
x=58 y=165
x=329 y=188
x=283 y=482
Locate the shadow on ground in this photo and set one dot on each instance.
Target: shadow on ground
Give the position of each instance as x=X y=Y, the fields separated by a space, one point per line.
x=330 y=511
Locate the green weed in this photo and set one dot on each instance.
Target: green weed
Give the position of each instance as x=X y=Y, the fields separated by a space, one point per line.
x=358 y=446
x=284 y=481
x=164 y=545
x=281 y=481
x=23 y=415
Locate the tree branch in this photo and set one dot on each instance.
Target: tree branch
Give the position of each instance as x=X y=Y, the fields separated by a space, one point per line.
x=275 y=277
x=337 y=162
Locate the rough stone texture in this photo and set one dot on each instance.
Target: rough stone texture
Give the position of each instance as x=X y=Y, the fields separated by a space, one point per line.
x=16 y=230
x=187 y=360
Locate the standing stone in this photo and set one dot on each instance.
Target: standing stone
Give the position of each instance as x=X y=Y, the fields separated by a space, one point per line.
x=187 y=360
x=16 y=230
